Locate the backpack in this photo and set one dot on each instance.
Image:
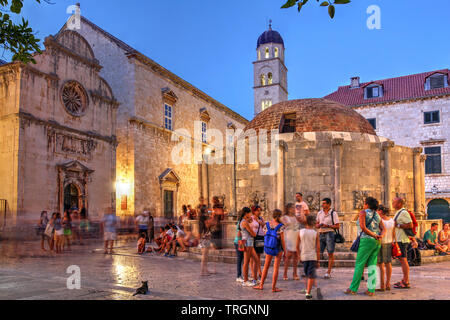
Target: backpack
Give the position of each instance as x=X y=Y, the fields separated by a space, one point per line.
x=415 y=228
x=414 y=257
x=410 y=232
x=271 y=242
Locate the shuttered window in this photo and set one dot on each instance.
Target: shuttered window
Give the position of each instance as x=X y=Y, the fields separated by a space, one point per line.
x=433 y=164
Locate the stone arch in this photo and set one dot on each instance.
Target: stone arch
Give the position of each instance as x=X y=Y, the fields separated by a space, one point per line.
x=76 y=43
x=438 y=209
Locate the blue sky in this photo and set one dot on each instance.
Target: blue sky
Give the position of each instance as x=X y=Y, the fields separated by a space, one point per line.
x=212 y=44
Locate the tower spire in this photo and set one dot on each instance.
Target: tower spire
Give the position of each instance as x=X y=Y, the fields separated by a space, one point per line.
x=270 y=24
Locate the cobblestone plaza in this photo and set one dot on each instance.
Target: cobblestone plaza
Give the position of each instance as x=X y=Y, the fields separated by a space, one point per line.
x=28 y=274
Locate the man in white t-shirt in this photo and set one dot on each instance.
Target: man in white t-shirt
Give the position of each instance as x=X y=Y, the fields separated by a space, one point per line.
x=327 y=223
x=301 y=210
x=402 y=221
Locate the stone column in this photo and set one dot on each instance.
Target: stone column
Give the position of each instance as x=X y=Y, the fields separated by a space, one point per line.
x=281 y=176
x=337 y=153
x=233 y=202
x=387 y=146
x=423 y=202
x=417 y=180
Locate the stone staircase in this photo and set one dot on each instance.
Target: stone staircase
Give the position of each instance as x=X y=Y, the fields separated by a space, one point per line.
x=344 y=258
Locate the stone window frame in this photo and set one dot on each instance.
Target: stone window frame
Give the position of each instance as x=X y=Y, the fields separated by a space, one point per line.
x=168 y=116
x=267 y=53
x=432 y=122
x=169 y=99
x=84 y=93
x=434 y=145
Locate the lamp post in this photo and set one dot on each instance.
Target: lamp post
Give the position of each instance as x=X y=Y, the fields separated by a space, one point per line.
x=434 y=189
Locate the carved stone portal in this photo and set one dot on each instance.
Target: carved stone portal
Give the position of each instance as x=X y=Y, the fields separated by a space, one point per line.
x=76 y=174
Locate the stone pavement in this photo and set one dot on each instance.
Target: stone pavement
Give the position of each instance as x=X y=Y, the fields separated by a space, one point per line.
x=27 y=273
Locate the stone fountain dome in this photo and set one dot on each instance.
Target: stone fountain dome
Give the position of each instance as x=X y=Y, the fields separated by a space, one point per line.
x=312 y=115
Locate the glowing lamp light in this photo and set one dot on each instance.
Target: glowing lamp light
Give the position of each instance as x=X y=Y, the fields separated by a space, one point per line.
x=122 y=187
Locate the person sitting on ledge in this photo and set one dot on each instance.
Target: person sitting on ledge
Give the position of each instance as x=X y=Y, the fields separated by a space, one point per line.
x=430 y=240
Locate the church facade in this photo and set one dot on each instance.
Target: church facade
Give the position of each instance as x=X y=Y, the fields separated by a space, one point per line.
x=57 y=133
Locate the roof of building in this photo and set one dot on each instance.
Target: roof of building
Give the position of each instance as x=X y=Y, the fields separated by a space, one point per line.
x=131 y=52
x=313 y=115
x=394 y=89
x=270 y=36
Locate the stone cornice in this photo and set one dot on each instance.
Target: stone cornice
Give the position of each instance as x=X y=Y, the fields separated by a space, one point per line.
x=271 y=85
x=155 y=67
x=112 y=102
x=391 y=102
x=27 y=116
x=270 y=59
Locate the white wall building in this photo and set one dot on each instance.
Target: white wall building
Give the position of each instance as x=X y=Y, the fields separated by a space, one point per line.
x=414 y=111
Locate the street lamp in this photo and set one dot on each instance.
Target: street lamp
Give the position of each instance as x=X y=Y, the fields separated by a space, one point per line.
x=434 y=189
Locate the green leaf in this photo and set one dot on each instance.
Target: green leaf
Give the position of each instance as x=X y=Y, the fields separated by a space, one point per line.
x=331 y=11
x=300 y=5
x=324 y=4
x=341 y=1
x=289 y=3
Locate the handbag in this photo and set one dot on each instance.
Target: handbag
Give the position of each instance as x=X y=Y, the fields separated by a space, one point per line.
x=339 y=238
x=241 y=245
x=355 y=245
x=49 y=230
x=259 y=240
x=396 y=252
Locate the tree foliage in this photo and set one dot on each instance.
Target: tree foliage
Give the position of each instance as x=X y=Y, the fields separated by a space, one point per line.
x=330 y=4
x=18 y=38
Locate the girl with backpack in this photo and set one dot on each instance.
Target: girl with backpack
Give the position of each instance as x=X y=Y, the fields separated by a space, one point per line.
x=273 y=247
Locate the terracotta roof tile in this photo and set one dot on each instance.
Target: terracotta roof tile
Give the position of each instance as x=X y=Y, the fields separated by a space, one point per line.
x=394 y=89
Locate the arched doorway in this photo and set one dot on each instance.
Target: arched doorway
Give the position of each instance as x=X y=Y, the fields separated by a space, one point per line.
x=71 y=197
x=439 y=209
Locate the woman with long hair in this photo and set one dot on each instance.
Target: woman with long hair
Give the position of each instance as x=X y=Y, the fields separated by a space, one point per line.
x=291 y=232
x=272 y=228
x=239 y=247
x=248 y=236
x=43 y=221
x=370 y=228
x=59 y=232
x=258 y=228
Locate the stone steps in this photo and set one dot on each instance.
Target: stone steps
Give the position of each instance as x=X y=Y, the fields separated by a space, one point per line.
x=342 y=259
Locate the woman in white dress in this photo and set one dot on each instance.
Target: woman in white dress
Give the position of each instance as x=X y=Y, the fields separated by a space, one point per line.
x=290 y=235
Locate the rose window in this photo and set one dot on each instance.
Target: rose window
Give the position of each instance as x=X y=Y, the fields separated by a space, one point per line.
x=74 y=98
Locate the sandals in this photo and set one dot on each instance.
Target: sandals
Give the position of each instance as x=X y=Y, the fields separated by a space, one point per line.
x=380 y=290
x=276 y=290
x=258 y=288
x=285 y=278
x=348 y=291
x=296 y=278
x=402 y=285
x=368 y=293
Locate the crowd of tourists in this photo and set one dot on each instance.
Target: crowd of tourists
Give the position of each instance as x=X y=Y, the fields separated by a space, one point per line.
x=293 y=235
x=296 y=236
x=59 y=232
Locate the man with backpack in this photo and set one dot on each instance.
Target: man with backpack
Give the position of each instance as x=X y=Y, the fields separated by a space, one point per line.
x=403 y=228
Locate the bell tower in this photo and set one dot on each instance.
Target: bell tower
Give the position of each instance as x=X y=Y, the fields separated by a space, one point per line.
x=270 y=73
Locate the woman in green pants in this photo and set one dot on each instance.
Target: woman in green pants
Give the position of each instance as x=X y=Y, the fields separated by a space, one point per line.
x=370 y=227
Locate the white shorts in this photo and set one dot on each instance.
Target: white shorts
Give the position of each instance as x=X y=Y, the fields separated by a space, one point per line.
x=110 y=236
x=59 y=232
